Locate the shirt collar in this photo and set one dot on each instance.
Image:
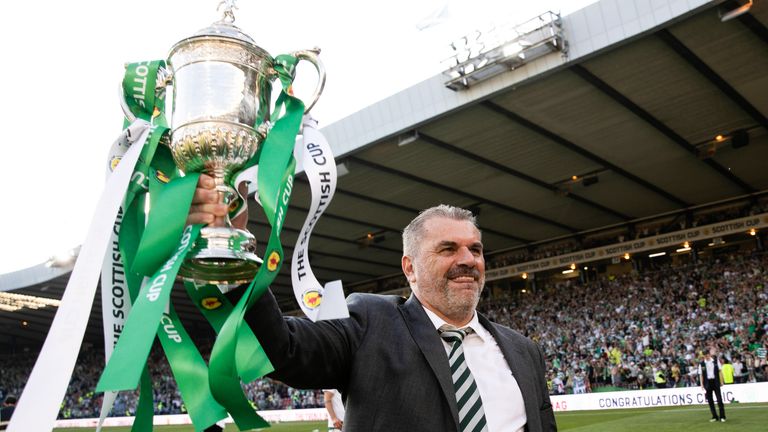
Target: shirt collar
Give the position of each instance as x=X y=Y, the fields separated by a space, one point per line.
x=474 y=323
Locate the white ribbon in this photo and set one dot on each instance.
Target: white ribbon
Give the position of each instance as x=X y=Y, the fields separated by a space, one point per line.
x=115 y=298
x=40 y=402
x=115 y=307
x=317 y=302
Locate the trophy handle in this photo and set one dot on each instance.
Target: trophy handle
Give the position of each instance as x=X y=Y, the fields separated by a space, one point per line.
x=311 y=56
x=124 y=105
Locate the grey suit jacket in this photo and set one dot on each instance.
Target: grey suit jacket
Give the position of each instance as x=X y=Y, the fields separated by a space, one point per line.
x=389 y=363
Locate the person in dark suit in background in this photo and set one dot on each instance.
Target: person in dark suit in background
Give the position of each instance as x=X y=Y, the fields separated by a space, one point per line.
x=395 y=360
x=711 y=379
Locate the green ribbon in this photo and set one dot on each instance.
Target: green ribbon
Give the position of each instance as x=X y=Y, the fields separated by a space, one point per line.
x=154 y=169
x=170 y=204
x=145 y=102
x=140 y=88
x=190 y=371
x=143 y=257
x=166 y=220
x=143 y=421
x=275 y=151
x=133 y=222
x=275 y=162
x=252 y=362
x=223 y=368
x=132 y=349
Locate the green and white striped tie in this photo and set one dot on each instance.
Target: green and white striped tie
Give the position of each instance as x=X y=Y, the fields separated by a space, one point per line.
x=471 y=414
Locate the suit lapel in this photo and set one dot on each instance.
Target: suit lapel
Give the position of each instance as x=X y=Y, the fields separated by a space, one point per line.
x=424 y=334
x=520 y=366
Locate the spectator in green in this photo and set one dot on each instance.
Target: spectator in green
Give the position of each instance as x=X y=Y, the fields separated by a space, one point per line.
x=727 y=371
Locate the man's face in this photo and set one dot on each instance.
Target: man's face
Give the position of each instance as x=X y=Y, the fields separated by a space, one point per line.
x=448 y=273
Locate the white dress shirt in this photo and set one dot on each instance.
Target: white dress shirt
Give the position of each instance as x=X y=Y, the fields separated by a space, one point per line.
x=502 y=400
x=710 y=369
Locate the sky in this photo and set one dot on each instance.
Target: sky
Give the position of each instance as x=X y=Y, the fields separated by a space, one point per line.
x=63 y=61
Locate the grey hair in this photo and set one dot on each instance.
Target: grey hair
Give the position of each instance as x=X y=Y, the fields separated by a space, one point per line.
x=415 y=230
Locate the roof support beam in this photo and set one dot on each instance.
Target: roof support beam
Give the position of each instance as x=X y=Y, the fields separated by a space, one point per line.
x=328 y=237
x=657 y=124
x=576 y=149
x=461 y=193
x=712 y=76
x=754 y=25
x=349 y=220
x=337 y=256
x=411 y=211
x=507 y=170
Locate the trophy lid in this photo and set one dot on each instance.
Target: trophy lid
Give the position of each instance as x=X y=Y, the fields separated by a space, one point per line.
x=225 y=29
x=215 y=41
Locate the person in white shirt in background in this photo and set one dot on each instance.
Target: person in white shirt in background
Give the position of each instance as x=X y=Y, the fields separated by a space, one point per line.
x=739 y=376
x=335 y=408
x=580 y=382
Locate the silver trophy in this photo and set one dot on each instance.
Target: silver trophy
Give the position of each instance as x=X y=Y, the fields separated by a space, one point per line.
x=222 y=84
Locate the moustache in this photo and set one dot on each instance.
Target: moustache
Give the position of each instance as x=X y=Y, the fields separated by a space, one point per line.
x=463 y=271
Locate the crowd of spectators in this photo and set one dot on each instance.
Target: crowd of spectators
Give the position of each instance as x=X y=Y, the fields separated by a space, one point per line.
x=647 y=330
x=636 y=330
x=81 y=401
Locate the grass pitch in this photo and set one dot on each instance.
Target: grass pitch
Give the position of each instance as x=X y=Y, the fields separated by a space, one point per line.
x=741 y=418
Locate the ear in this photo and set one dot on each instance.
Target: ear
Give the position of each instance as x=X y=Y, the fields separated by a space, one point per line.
x=407 y=264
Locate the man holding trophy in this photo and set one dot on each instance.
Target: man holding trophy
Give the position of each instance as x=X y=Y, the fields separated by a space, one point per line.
x=429 y=363
x=388 y=358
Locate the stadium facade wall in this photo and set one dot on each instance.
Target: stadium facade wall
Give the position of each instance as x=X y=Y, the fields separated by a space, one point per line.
x=681 y=396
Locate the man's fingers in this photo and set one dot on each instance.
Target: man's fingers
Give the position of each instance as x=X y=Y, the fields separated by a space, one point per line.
x=202 y=196
x=199 y=218
x=205 y=181
x=218 y=221
x=212 y=209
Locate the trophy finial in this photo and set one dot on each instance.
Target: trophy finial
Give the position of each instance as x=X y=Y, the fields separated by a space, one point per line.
x=228 y=14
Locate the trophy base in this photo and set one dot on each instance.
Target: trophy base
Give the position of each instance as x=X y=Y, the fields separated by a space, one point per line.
x=221 y=256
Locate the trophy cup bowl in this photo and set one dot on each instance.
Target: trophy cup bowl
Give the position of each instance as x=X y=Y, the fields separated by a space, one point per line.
x=221 y=111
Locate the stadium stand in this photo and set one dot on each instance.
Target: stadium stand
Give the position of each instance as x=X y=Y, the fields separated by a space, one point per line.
x=638 y=330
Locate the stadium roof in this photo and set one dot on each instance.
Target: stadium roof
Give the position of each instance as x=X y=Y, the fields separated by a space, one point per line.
x=620 y=130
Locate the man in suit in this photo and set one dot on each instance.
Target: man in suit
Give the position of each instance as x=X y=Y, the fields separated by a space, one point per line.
x=711 y=379
x=389 y=360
